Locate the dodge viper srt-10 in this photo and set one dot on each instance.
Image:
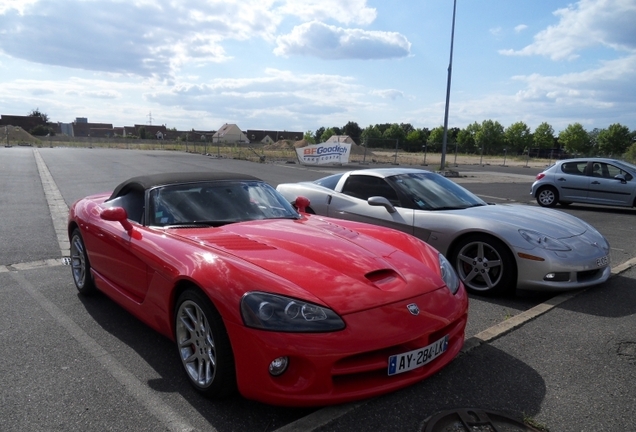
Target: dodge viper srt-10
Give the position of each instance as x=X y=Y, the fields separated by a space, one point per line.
x=287 y=308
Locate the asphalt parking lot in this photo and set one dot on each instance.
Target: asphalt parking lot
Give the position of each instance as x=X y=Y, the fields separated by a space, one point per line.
x=564 y=362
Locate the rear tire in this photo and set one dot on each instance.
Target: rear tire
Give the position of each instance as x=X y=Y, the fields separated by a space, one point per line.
x=203 y=345
x=485 y=265
x=547 y=196
x=81 y=266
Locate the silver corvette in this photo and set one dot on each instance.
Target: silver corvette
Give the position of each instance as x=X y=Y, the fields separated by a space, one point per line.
x=494 y=248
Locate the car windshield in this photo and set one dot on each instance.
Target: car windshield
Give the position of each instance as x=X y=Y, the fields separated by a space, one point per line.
x=329 y=182
x=217 y=203
x=430 y=191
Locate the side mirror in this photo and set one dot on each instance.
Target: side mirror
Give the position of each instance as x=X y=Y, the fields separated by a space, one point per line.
x=301 y=203
x=621 y=178
x=117 y=214
x=379 y=201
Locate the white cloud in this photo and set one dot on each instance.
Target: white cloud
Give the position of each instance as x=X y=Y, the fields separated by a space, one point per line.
x=347 y=12
x=333 y=43
x=142 y=38
x=520 y=28
x=388 y=94
x=586 y=24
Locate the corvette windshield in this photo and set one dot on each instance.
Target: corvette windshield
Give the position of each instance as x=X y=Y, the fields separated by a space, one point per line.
x=217 y=203
x=429 y=191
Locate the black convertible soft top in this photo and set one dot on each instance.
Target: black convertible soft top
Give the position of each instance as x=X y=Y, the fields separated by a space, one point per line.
x=146 y=182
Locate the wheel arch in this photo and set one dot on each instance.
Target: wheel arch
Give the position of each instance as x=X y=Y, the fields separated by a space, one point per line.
x=452 y=248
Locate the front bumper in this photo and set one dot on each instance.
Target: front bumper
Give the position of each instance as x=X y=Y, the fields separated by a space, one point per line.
x=586 y=264
x=343 y=366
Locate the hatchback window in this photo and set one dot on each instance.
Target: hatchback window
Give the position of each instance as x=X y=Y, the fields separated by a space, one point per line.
x=574 y=168
x=611 y=171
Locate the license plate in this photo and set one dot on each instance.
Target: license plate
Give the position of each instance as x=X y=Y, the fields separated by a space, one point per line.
x=603 y=261
x=413 y=359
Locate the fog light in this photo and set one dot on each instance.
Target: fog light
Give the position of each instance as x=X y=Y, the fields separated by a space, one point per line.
x=278 y=366
x=557 y=277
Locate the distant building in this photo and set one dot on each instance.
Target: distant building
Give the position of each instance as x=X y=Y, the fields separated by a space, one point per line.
x=271 y=136
x=86 y=129
x=27 y=123
x=229 y=133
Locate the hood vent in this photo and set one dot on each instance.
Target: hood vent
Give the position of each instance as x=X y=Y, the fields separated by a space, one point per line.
x=339 y=230
x=385 y=279
x=237 y=242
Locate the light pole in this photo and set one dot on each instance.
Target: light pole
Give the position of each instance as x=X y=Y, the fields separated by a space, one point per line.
x=448 y=85
x=424 y=148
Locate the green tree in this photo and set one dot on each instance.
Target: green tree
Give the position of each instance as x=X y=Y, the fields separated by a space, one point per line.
x=318 y=134
x=309 y=137
x=466 y=139
x=370 y=136
x=575 y=139
x=615 y=140
x=328 y=133
x=142 y=132
x=394 y=132
x=518 y=137
x=544 y=136
x=407 y=128
x=41 y=130
x=415 y=140
x=353 y=130
x=37 y=113
x=435 y=139
x=490 y=137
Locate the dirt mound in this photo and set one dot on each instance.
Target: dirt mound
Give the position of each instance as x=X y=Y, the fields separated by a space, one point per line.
x=15 y=135
x=280 y=145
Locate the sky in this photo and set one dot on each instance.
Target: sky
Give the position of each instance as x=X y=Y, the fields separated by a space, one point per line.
x=298 y=65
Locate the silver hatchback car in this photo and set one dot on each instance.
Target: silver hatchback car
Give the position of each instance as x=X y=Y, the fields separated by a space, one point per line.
x=586 y=180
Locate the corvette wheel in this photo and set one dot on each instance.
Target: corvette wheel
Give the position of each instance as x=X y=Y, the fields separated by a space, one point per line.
x=547 y=197
x=80 y=266
x=203 y=345
x=485 y=265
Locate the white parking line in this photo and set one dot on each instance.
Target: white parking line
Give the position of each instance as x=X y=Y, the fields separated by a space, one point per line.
x=57 y=205
x=59 y=213
x=162 y=411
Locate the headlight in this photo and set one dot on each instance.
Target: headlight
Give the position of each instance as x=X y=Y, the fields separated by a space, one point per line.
x=279 y=313
x=449 y=276
x=543 y=241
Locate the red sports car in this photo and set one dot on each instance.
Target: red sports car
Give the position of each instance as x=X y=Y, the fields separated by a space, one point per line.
x=285 y=307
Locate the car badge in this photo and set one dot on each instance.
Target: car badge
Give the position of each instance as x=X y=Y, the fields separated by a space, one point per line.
x=413 y=309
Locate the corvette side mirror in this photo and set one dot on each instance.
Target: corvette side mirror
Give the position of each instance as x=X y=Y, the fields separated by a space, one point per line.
x=379 y=201
x=117 y=214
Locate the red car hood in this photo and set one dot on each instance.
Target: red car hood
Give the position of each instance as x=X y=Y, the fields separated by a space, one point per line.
x=347 y=270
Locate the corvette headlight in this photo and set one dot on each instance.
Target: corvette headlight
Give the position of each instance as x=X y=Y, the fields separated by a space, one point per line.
x=279 y=313
x=543 y=241
x=449 y=276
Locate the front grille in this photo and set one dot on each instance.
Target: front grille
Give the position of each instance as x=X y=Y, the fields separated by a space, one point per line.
x=587 y=275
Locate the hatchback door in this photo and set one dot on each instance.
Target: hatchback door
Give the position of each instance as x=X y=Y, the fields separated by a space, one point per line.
x=572 y=182
x=606 y=189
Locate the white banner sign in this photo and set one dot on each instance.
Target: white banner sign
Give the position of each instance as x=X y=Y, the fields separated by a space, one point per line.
x=324 y=153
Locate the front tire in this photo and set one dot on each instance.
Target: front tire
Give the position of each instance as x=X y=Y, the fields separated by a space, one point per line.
x=547 y=196
x=203 y=345
x=80 y=265
x=485 y=265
